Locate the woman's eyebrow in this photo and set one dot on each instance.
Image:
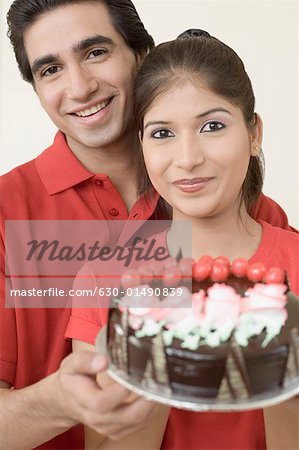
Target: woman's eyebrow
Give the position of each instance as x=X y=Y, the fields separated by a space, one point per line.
x=199 y=116
x=211 y=111
x=156 y=122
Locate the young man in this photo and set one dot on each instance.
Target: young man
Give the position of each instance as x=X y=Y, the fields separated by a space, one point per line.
x=81 y=58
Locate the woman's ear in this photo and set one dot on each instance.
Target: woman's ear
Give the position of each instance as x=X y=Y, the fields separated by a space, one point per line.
x=256 y=136
x=140 y=137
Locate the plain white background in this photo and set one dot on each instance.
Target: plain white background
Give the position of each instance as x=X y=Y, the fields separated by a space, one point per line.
x=265 y=35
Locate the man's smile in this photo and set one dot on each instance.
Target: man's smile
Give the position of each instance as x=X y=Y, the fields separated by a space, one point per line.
x=89 y=111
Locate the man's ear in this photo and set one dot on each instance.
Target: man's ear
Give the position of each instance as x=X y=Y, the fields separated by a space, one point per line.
x=140 y=55
x=256 y=136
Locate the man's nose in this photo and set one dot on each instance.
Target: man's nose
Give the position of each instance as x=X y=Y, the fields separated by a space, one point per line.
x=188 y=153
x=81 y=83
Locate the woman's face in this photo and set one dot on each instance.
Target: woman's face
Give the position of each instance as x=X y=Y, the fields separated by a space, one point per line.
x=196 y=149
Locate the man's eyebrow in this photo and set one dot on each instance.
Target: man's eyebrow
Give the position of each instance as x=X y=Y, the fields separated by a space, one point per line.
x=97 y=39
x=199 y=116
x=38 y=63
x=77 y=48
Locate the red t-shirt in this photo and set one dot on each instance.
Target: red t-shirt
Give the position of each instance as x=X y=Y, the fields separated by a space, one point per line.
x=54 y=186
x=210 y=431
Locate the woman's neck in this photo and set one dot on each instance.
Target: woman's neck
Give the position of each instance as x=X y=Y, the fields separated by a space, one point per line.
x=233 y=234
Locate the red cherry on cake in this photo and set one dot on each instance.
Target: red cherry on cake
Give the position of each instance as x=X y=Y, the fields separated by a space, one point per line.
x=275 y=275
x=185 y=265
x=157 y=268
x=130 y=278
x=206 y=259
x=201 y=270
x=171 y=276
x=223 y=259
x=219 y=271
x=169 y=262
x=239 y=267
x=146 y=274
x=256 y=271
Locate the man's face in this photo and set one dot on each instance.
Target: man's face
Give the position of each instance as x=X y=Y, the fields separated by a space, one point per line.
x=83 y=74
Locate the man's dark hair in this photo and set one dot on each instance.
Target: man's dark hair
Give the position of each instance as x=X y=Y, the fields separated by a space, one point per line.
x=23 y=13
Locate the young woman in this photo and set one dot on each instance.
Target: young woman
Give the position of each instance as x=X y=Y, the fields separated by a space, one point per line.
x=201 y=141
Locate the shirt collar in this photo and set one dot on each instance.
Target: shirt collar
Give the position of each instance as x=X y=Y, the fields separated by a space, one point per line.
x=59 y=170
x=58 y=167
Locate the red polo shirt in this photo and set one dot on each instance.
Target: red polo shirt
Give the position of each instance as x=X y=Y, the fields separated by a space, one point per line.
x=54 y=186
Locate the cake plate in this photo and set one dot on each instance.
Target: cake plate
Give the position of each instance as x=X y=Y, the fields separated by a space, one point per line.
x=155 y=392
x=166 y=397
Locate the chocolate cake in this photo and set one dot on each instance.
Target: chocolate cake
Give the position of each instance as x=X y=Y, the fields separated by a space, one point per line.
x=235 y=337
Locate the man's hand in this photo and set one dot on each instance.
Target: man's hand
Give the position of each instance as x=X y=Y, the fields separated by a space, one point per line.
x=113 y=411
x=37 y=413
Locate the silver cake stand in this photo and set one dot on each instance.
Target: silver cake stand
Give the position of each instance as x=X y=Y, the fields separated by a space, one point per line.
x=155 y=392
x=166 y=397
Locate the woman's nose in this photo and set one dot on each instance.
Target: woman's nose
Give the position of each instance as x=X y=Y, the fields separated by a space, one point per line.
x=188 y=153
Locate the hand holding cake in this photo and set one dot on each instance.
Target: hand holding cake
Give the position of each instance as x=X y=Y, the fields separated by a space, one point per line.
x=201 y=145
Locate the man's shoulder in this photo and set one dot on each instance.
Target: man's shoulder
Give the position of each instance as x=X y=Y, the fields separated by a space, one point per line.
x=16 y=172
x=25 y=173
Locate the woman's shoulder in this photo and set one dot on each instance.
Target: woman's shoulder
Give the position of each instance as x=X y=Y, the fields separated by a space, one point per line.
x=281 y=248
x=287 y=236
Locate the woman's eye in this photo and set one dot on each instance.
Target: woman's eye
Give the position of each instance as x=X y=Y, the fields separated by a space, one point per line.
x=162 y=134
x=97 y=52
x=212 y=126
x=50 y=71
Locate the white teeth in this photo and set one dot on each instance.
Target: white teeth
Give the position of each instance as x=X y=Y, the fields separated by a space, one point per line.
x=92 y=110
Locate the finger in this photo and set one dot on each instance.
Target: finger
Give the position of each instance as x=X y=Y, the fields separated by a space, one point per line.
x=126 y=431
x=104 y=380
x=101 y=340
x=112 y=397
x=125 y=415
x=126 y=420
x=87 y=363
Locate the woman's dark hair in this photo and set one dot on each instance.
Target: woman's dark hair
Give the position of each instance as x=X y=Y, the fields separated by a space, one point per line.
x=192 y=56
x=24 y=13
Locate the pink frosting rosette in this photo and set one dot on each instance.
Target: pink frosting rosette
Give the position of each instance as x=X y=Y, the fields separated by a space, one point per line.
x=222 y=304
x=263 y=310
x=142 y=308
x=265 y=296
x=139 y=307
x=221 y=314
x=178 y=309
x=198 y=300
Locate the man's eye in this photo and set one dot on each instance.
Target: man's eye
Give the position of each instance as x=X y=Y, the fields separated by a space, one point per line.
x=50 y=71
x=97 y=52
x=162 y=134
x=212 y=126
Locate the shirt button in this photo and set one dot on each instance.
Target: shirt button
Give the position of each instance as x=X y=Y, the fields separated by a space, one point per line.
x=114 y=212
x=99 y=182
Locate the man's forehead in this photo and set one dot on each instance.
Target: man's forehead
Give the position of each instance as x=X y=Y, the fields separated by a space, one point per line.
x=67 y=27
